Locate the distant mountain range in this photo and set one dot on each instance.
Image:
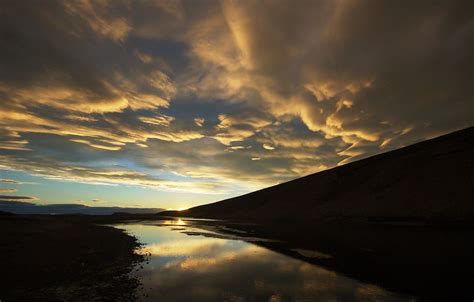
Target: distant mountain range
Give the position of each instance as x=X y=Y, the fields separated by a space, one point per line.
x=32 y=208
x=428 y=181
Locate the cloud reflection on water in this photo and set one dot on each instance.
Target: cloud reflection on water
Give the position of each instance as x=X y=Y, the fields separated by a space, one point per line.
x=197 y=268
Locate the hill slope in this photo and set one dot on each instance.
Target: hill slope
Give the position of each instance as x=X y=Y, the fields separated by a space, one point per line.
x=429 y=181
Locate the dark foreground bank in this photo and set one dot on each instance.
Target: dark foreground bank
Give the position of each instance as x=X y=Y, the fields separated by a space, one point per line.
x=54 y=258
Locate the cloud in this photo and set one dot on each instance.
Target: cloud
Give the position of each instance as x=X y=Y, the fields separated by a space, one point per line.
x=16 y=198
x=199 y=121
x=104 y=147
x=103 y=175
x=160 y=120
x=3 y=190
x=186 y=96
x=98 y=16
x=9 y=181
x=268 y=147
x=338 y=90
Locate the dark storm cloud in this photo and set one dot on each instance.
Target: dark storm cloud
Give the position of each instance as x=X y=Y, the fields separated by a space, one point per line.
x=41 y=45
x=220 y=94
x=402 y=64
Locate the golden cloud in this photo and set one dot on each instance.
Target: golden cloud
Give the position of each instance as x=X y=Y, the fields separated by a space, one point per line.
x=318 y=84
x=159 y=120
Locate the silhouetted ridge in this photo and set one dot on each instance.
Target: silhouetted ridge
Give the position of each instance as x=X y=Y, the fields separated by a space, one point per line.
x=429 y=181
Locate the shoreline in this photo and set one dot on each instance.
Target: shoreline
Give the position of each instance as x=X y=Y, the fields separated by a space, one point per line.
x=55 y=258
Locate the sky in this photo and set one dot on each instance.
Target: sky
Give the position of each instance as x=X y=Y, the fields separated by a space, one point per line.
x=173 y=104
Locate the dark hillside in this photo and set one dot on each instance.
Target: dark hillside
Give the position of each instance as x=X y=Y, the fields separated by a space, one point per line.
x=431 y=181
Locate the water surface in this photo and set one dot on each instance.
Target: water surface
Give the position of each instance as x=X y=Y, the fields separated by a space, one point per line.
x=186 y=263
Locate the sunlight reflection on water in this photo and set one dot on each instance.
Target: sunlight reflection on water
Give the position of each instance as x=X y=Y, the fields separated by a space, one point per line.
x=198 y=268
x=174 y=222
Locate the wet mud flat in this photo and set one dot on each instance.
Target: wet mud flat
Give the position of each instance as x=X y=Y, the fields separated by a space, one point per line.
x=55 y=258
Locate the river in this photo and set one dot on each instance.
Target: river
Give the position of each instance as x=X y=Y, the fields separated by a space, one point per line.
x=187 y=263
